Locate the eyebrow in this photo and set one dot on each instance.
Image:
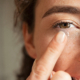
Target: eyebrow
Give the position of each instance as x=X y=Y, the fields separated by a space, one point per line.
x=62 y=9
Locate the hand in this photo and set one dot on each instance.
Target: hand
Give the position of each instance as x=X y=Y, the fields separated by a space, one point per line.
x=43 y=66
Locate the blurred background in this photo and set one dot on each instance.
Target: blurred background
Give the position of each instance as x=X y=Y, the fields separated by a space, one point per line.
x=10 y=44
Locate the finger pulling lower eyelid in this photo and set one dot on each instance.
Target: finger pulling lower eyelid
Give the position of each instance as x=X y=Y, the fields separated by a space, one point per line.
x=66 y=32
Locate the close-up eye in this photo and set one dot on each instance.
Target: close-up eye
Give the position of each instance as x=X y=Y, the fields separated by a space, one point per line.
x=64 y=25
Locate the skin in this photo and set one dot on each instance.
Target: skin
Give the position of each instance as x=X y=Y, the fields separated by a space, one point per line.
x=37 y=43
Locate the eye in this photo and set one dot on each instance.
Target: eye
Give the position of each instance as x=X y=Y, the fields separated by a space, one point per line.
x=64 y=25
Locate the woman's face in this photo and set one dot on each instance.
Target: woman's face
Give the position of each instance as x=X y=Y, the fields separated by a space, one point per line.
x=67 y=13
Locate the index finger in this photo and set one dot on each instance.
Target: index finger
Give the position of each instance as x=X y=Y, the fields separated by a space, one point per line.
x=43 y=66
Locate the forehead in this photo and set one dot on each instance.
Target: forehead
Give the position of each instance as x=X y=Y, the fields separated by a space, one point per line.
x=58 y=2
x=45 y=5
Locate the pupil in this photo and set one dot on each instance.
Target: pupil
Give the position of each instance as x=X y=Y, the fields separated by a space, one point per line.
x=65 y=24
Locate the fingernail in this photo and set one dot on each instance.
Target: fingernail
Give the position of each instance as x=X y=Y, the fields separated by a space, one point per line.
x=52 y=75
x=60 y=37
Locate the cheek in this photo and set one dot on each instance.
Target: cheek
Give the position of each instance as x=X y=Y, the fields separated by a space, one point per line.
x=42 y=38
x=41 y=43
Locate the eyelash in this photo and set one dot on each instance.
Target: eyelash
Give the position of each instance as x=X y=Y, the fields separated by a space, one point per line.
x=61 y=22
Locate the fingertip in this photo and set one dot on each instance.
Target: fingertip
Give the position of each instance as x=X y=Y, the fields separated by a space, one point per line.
x=61 y=75
x=60 y=37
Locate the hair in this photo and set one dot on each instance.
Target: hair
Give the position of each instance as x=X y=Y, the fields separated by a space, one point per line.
x=25 y=12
